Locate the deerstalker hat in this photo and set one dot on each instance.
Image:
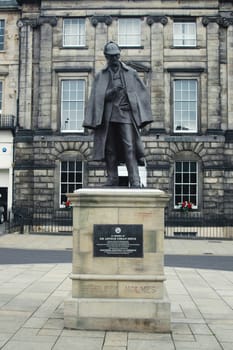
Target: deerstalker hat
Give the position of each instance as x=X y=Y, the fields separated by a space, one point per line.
x=111 y=48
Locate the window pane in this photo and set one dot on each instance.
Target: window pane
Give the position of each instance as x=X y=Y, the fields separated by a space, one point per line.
x=71 y=166
x=193 y=178
x=185 y=166
x=78 y=177
x=71 y=177
x=64 y=166
x=71 y=188
x=178 y=200
x=178 y=178
x=192 y=189
x=63 y=177
x=178 y=189
x=64 y=188
x=63 y=198
x=178 y=166
x=186 y=178
x=193 y=166
x=193 y=199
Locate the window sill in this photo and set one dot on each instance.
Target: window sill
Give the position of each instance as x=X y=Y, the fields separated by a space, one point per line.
x=185 y=47
x=181 y=133
x=131 y=47
x=72 y=131
x=73 y=47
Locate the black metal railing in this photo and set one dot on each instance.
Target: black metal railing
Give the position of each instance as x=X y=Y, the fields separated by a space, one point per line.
x=191 y=224
x=7 y=121
x=41 y=220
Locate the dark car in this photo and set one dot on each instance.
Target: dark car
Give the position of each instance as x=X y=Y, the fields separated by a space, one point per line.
x=2 y=214
x=2 y=209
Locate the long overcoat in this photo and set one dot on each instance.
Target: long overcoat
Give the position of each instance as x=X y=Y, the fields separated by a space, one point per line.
x=98 y=111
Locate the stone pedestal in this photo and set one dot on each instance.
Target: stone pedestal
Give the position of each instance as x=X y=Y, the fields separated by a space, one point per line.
x=112 y=292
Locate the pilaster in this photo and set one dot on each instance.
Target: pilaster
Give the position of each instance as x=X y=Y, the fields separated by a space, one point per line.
x=25 y=78
x=45 y=71
x=230 y=74
x=101 y=24
x=213 y=85
x=157 y=67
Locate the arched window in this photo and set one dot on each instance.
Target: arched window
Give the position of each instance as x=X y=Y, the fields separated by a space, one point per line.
x=187 y=183
x=71 y=178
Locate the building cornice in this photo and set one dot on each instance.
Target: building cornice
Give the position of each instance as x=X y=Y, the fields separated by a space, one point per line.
x=223 y=21
x=95 y=20
x=156 y=19
x=37 y=22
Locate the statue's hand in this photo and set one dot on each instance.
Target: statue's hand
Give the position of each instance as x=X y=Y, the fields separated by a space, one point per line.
x=111 y=93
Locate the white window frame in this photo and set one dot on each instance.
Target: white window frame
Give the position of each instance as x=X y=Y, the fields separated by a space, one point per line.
x=67 y=183
x=186 y=196
x=66 y=120
x=2 y=35
x=126 y=32
x=74 y=32
x=185 y=106
x=184 y=34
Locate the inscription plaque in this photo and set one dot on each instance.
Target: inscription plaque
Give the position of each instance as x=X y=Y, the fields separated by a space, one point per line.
x=118 y=241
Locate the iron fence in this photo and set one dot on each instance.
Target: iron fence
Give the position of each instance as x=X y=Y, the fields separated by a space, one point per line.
x=192 y=224
x=42 y=221
x=7 y=121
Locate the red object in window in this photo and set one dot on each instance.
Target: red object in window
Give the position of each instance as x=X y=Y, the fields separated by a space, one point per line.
x=67 y=204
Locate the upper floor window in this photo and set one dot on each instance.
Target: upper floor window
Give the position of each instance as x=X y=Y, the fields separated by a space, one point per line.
x=72 y=104
x=71 y=178
x=73 y=32
x=2 y=32
x=185 y=105
x=186 y=183
x=0 y=96
x=129 y=32
x=184 y=34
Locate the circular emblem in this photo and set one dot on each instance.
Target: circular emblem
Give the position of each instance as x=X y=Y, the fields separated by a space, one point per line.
x=4 y=149
x=118 y=230
x=20 y=23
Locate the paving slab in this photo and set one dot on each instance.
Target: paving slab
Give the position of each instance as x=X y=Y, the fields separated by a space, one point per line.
x=79 y=343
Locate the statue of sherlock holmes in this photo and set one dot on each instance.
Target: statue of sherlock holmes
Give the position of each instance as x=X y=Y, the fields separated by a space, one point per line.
x=118 y=107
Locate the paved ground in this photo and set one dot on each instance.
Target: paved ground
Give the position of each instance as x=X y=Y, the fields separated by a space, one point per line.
x=32 y=295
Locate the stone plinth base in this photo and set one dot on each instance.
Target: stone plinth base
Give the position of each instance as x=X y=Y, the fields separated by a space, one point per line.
x=132 y=315
x=109 y=291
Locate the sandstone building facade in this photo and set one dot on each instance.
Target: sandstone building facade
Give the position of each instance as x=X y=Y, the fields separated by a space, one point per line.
x=183 y=50
x=9 y=68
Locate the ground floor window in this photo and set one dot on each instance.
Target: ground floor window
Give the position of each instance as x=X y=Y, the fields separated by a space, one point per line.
x=71 y=178
x=186 y=183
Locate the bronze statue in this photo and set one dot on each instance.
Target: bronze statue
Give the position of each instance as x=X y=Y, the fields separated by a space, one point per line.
x=119 y=105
